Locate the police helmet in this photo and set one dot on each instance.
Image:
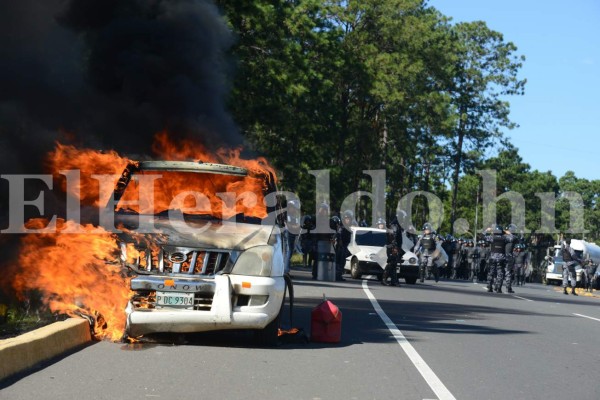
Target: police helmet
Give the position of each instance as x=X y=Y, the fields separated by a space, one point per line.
x=307 y=222
x=348 y=214
x=511 y=228
x=497 y=229
x=381 y=221
x=427 y=228
x=334 y=222
x=294 y=204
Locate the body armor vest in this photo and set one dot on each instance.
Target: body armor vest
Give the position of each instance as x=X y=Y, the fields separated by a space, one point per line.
x=498 y=244
x=428 y=242
x=566 y=254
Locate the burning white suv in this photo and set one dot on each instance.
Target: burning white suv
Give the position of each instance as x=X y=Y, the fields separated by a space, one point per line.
x=204 y=255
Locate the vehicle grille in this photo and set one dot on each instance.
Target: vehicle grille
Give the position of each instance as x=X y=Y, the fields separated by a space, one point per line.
x=182 y=260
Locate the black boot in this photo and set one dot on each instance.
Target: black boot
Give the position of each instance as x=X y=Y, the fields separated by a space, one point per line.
x=498 y=290
x=510 y=290
x=565 y=290
x=489 y=289
x=573 y=291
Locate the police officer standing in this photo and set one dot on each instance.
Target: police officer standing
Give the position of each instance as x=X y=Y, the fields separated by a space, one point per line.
x=456 y=258
x=571 y=260
x=497 y=258
x=509 y=265
x=344 y=235
x=394 y=253
x=425 y=248
x=519 y=257
x=473 y=252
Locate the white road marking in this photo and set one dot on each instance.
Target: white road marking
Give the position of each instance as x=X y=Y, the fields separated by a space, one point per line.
x=585 y=316
x=522 y=298
x=426 y=372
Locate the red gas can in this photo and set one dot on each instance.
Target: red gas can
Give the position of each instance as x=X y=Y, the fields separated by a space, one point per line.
x=326 y=323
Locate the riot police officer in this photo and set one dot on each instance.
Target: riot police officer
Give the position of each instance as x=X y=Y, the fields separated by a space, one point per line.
x=473 y=253
x=394 y=254
x=510 y=238
x=456 y=258
x=425 y=249
x=519 y=257
x=497 y=258
x=344 y=235
x=571 y=260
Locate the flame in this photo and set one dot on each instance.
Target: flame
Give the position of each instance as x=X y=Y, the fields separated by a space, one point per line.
x=166 y=149
x=80 y=274
x=77 y=273
x=89 y=162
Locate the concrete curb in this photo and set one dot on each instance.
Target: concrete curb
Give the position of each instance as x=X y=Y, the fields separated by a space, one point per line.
x=27 y=350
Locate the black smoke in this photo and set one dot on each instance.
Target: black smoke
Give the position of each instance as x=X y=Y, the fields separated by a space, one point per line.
x=110 y=74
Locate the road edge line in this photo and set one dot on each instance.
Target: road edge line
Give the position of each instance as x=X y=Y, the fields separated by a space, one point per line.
x=426 y=372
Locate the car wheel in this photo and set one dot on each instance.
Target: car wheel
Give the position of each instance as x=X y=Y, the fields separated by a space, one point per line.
x=355 y=269
x=411 y=281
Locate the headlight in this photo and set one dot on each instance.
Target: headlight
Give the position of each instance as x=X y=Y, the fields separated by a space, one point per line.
x=373 y=257
x=412 y=260
x=256 y=261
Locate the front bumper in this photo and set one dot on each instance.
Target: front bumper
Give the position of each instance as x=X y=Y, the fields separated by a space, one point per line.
x=225 y=311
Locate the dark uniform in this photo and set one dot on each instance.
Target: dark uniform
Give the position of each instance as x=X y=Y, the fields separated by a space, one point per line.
x=519 y=257
x=456 y=258
x=394 y=254
x=497 y=260
x=426 y=247
x=589 y=271
x=509 y=266
x=343 y=238
x=473 y=253
x=571 y=260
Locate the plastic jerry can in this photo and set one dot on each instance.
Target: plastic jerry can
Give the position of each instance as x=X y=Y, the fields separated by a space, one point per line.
x=326 y=323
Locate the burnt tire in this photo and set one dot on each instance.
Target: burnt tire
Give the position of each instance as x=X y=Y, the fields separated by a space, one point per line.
x=355 y=269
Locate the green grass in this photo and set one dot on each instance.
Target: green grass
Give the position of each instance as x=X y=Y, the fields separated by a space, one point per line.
x=15 y=321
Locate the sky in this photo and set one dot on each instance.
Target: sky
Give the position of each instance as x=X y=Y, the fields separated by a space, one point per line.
x=559 y=115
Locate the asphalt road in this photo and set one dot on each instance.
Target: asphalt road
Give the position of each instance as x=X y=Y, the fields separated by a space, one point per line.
x=426 y=341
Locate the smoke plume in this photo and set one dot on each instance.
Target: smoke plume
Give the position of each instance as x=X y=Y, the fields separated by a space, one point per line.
x=110 y=74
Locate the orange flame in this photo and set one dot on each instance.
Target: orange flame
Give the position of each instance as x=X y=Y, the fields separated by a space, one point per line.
x=78 y=274
x=88 y=162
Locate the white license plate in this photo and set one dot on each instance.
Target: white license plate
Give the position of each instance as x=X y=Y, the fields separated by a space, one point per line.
x=174 y=299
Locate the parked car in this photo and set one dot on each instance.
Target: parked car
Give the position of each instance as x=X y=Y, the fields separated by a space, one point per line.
x=369 y=256
x=201 y=259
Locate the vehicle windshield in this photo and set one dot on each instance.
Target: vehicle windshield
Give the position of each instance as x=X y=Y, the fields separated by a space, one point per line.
x=194 y=193
x=370 y=238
